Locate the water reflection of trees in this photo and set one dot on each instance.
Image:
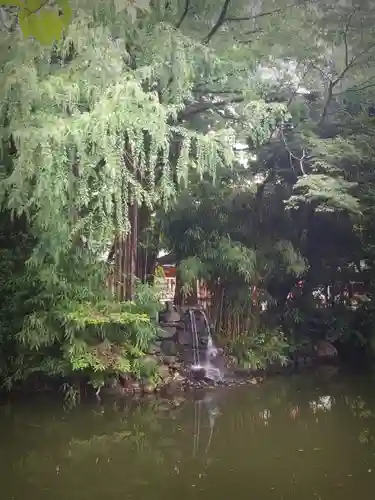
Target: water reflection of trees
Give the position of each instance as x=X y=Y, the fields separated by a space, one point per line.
x=44 y=441
x=360 y=409
x=166 y=434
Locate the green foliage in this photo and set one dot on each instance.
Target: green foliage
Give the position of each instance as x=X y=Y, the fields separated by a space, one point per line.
x=59 y=322
x=128 y=105
x=234 y=235
x=258 y=350
x=90 y=341
x=102 y=119
x=46 y=21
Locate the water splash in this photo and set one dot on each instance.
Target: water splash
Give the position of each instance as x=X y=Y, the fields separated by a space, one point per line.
x=196 y=354
x=211 y=372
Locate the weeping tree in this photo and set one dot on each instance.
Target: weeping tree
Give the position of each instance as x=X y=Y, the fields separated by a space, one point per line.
x=86 y=142
x=106 y=126
x=97 y=131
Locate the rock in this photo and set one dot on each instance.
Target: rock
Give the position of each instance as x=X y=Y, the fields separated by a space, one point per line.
x=167 y=332
x=170 y=360
x=172 y=387
x=148 y=389
x=325 y=349
x=154 y=349
x=170 y=315
x=149 y=360
x=168 y=348
x=177 y=377
x=163 y=371
x=253 y=381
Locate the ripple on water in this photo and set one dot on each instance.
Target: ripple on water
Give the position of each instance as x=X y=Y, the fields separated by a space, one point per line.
x=295 y=438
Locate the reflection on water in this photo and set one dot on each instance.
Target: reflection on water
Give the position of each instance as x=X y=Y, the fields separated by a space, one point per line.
x=291 y=438
x=212 y=411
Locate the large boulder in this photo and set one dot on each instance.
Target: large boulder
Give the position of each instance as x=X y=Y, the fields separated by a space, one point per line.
x=154 y=349
x=164 y=372
x=325 y=349
x=169 y=348
x=167 y=332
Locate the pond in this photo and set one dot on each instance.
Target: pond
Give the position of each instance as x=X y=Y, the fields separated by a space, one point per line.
x=290 y=438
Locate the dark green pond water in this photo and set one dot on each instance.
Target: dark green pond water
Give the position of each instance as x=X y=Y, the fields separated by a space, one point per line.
x=290 y=438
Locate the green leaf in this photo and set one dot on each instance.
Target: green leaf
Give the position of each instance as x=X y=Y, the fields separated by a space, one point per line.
x=67 y=12
x=11 y=3
x=46 y=25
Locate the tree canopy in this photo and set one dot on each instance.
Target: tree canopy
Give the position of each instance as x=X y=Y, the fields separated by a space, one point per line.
x=239 y=135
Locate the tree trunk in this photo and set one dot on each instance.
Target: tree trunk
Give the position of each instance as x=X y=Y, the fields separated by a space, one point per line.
x=148 y=247
x=178 y=297
x=124 y=257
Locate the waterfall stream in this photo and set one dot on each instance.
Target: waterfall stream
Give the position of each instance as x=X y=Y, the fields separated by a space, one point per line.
x=210 y=371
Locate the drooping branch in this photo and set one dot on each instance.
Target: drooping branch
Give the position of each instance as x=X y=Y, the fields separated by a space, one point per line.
x=224 y=19
x=220 y=21
x=256 y=16
x=184 y=14
x=200 y=107
x=262 y=14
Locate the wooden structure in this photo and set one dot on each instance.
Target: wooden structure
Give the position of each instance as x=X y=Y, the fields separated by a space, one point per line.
x=200 y=295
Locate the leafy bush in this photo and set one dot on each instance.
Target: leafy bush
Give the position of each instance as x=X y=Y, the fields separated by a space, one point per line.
x=60 y=321
x=90 y=340
x=257 y=351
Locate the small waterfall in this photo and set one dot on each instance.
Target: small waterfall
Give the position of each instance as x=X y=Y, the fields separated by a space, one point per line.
x=196 y=355
x=211 y=372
